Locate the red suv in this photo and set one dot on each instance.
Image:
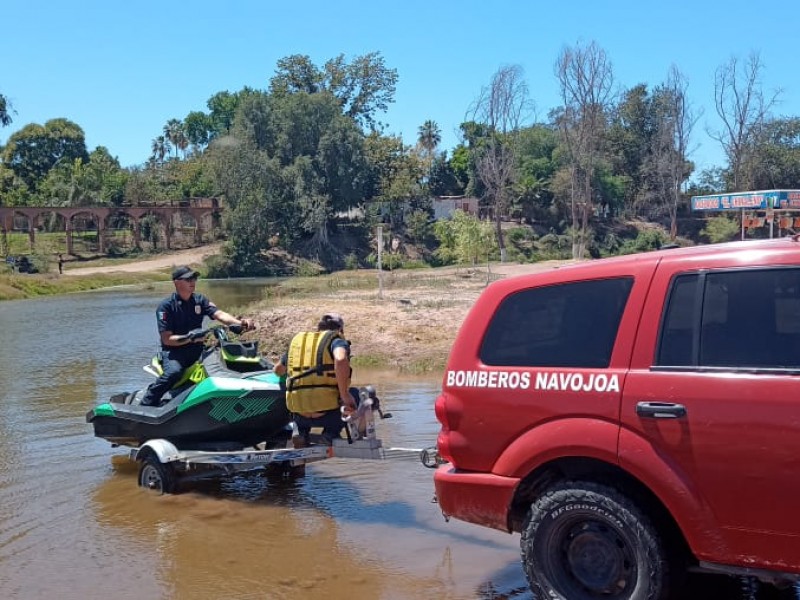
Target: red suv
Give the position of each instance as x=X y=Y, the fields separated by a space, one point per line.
x=633 y=418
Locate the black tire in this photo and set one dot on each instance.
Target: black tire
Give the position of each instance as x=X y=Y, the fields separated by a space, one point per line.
x=583 y=541
x=157 y=476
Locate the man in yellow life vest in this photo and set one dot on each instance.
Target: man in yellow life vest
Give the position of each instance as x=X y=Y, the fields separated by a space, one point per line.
x=317 y=369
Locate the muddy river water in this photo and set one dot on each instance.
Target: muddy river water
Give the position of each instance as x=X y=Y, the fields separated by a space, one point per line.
x=74 y=525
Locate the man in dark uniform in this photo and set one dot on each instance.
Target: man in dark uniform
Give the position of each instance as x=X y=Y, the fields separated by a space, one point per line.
x=178 y=315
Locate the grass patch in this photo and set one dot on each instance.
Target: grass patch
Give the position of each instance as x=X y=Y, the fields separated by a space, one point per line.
x=20 y=286
x=424 y=365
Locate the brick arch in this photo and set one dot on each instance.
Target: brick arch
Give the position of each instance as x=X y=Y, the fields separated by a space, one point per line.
x=199 y=209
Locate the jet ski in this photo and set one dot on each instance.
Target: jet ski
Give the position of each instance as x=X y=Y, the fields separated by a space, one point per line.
x=230 y=399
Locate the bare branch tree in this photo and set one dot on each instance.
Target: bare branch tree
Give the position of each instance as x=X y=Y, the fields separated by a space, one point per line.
x=675 y=119
x=586 y=84
x=742 y=106
x=502 y=107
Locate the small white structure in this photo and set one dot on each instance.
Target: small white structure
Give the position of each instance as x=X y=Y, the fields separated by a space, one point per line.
x=444 y=206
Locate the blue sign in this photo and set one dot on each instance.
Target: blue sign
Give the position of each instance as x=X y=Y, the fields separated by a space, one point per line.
x=770 y=199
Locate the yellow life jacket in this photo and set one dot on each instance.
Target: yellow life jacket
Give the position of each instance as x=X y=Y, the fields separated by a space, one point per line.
x=311 y=381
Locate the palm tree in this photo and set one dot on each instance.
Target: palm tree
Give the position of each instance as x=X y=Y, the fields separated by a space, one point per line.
x=429 y=137
x=5 y=111
x=175 y=132
x=160 y=148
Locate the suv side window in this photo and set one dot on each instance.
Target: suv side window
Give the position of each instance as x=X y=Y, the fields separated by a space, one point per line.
x=747 y=318
x=567 y=325
x=678 y=324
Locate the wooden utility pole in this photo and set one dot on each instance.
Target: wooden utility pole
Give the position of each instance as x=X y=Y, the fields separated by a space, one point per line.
x=380 y=268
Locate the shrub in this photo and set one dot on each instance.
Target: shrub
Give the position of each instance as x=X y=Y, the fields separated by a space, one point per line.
x=720 y=229
x=351 y=262
x=648 y=239
x=218 y=266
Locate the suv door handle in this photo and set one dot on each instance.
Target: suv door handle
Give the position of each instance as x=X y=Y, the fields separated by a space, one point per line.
x=660 y=410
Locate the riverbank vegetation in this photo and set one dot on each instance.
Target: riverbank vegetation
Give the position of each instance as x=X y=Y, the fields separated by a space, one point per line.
x=306 y=174
x=18 y=286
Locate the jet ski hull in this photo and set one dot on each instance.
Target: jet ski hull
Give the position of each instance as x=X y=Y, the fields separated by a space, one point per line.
x=217 y=413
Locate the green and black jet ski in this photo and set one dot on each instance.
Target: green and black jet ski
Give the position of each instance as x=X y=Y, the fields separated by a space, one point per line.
x=228 y=400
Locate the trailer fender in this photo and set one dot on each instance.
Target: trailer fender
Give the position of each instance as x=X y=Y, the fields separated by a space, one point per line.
x=163 y=449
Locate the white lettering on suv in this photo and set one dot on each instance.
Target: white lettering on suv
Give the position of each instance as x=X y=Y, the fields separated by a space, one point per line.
x=553 y=381
x=489 y=379
x=577 y=382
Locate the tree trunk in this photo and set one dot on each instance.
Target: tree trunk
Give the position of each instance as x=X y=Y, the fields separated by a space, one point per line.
x=500 y=241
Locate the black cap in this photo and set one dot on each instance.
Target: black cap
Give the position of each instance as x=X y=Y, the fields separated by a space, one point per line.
x=184 y=272
x=330 y=320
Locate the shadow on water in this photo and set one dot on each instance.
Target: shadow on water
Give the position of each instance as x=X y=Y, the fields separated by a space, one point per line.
x=337 y=499
x=72 y=526
x=363 y=525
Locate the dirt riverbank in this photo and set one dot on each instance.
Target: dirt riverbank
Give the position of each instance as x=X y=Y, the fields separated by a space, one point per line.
x=410 y=326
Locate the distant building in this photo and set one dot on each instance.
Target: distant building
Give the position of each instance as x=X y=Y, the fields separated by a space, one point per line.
x=444 y=206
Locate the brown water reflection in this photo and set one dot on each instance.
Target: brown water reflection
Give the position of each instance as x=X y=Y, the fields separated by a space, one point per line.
x=74 y=525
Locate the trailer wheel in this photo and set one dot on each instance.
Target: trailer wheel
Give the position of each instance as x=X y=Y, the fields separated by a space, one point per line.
x=157 y=476
x=584 y=540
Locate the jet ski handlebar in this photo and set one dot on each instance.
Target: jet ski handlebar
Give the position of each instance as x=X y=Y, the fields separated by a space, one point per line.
x=218 y=331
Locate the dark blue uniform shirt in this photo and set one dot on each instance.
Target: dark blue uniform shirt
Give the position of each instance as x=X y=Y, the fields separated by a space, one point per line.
x=181 y=316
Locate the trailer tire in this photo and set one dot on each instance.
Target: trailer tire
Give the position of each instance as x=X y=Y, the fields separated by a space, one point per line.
x=157 y=476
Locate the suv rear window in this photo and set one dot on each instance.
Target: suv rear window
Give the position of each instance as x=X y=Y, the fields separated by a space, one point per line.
x=567 y=325
x=744 y=318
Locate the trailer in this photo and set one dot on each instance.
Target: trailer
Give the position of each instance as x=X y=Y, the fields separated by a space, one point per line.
x=164 y=467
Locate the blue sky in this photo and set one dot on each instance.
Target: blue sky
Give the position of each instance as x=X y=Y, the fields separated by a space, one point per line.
x=120 y=70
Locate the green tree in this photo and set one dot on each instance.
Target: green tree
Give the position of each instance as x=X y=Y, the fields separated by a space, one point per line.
x=316 y=159
x=297 y=73
x=629 y=139
x=260 y=201
x=536 y=164
x=13 y=190
x=35 y=149
x=395 y=176
x=461 y=164
x=99 y=181
x=107 y=177
x=199 y=129
x=68 y=184
x=363 y=87
x=222 y=107
x=442 y=179
x=708 y=181
x=773 y=161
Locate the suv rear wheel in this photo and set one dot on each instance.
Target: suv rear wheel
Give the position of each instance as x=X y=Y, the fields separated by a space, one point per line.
x=583 y=540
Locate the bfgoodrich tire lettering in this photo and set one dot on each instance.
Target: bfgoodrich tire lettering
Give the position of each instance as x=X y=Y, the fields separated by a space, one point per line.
x=583 y=541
